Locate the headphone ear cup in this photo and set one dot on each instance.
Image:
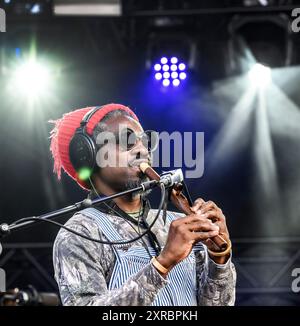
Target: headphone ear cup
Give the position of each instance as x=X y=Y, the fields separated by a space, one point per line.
x=82 y=151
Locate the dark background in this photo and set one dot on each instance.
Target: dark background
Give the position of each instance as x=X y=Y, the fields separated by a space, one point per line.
x=98 y=60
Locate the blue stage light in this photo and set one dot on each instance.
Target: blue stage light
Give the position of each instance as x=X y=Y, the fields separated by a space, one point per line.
x=166 y=75
x=165 y=67
x=181 y=66
x=166 y=82
x=163 y=60
x=174 y=74
x=182 y=75
x=174 y=60
x=158 y=76
x=157 y=67
x=170 y=71
x=176 y=82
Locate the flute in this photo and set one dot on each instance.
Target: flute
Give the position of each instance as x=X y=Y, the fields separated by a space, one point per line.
x=180 y=201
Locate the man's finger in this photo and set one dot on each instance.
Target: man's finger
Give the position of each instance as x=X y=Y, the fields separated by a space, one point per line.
x=194 y=218
x=203 y=226
x=208 y=206
x=210 y=244
x=197 y=204
x=213 y=215
x=200 y=236
x=187 y=219
x=218 y=212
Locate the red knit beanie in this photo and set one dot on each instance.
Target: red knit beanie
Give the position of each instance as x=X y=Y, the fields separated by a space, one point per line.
x=65 y=128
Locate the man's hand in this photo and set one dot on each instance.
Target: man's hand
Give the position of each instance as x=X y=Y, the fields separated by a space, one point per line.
x=206 y=222
x=212 y=212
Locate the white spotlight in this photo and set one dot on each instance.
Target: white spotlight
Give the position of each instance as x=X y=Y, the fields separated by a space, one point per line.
x=31 y=78
x=260 y=75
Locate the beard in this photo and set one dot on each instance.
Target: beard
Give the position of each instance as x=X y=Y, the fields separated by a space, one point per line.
x=127 y=183
x=131 y=184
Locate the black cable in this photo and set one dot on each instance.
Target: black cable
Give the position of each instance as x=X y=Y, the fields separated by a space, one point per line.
x=163 y=193
x=187 y=193
x=118 y=214
x=139 y=231
x=133 y=228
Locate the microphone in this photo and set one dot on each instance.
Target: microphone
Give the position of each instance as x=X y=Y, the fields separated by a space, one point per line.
x=30 y=297
x=171 y=178
x=168 y=178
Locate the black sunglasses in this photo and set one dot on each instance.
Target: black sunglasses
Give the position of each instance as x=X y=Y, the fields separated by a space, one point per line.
x=127 y=139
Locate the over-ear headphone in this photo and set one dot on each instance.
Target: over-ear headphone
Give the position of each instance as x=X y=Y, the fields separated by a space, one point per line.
x=82 y=148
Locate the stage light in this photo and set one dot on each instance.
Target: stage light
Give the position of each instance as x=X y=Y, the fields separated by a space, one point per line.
x=181 y=66
x=163 y=60
x=157 y=67
x=173 y=67
x=174 y=74
x=174 y=70
x=158 y=76
x=245 y=48
x=174 y=60
x=166 y=75
x=260 y=75
x=30 y=79
x=182 y=75
x=165 y=67
x=176 y=82
x=36 y=9
x=166 y=82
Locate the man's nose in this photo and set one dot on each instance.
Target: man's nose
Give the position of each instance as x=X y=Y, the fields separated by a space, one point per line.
x=139 y=150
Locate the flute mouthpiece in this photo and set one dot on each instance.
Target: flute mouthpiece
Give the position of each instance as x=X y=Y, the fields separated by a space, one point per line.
x=144 y=166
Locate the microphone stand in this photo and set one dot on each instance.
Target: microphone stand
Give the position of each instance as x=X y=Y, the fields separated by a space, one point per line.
x=6 y=229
